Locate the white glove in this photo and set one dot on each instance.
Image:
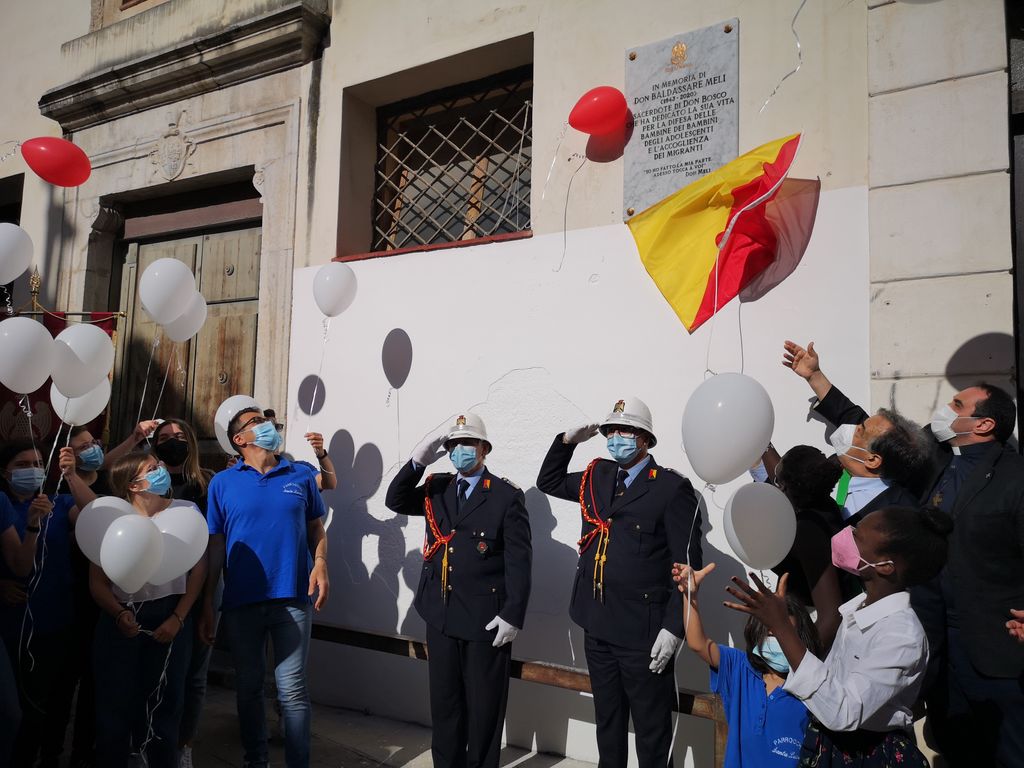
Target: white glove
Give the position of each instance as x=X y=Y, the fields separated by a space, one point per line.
x=579 y=434
x=665 y=646
x=427 y=452
x=506 y=632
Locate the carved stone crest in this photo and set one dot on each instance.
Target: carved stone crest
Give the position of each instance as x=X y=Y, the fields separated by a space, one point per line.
x=172 y=150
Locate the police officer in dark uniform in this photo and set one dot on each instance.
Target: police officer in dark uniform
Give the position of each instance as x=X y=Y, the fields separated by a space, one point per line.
x=473 y=588
x=638 y=518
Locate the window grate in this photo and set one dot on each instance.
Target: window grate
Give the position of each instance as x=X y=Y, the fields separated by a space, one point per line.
x=454 y=164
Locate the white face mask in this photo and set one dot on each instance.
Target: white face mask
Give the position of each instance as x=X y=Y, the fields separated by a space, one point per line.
x=842 y=441
x=942 y=423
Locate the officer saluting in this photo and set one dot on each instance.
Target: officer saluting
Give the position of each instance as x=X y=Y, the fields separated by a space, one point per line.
x=473 y=588
x=638 y=518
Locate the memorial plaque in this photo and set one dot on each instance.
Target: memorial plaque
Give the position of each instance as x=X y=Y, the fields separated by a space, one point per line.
x=684 y=95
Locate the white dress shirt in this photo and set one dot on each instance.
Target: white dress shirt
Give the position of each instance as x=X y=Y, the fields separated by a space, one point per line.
x=871 y=677
x=861 y=491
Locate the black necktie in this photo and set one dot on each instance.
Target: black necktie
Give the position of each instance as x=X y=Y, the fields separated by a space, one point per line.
x=620 y=484
x=462 y=485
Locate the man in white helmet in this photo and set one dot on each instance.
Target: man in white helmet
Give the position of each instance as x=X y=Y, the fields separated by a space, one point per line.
x=473 y=588
x=638 y=518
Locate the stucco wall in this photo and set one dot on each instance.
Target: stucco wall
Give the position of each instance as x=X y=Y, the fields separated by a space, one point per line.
x=496 y=329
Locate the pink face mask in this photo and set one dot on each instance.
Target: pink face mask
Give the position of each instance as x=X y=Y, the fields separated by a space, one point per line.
x=846 y=556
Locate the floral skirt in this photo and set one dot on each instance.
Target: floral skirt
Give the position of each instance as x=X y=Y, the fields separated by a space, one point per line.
x=823 y=748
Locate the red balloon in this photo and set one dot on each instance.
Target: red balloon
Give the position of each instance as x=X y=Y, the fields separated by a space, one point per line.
x=600 y=110
x=57 y=161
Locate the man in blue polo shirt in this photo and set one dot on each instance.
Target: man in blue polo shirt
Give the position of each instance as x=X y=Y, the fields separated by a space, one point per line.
x=267 y=535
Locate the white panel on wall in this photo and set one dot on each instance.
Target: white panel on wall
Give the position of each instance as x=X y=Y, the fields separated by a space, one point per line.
x=533 y=348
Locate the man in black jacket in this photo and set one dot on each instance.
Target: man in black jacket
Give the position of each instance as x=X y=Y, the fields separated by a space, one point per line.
x=473 y=589
x=975 y=684
x=638 y=519
x=886 y=457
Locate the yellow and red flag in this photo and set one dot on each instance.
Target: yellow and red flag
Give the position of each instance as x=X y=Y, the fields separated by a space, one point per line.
x=719 y=219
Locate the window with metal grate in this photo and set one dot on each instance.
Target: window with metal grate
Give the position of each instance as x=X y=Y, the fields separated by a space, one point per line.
x=454 y=164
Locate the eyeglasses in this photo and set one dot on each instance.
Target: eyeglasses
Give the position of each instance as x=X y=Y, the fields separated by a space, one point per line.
x=621 y=431
x=254 y=421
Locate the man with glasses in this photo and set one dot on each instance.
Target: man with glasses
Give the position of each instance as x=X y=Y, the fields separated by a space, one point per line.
x=473 y=588
x=638 y=518
x=267 y=535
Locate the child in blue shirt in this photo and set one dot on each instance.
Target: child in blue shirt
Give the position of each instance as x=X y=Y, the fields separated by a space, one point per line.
x=766 y=722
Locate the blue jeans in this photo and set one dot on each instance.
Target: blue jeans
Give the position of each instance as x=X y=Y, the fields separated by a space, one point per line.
x=288 y=623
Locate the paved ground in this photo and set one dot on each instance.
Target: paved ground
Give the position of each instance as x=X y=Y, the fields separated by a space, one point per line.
x=342 y=738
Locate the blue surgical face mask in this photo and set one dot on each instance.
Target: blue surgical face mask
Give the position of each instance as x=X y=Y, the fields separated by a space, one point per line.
x=27 y=480
x=159 y=481
x=463 y=457
x=90 y=459
x=771 y=652
x=622 y=449
x=267 y=436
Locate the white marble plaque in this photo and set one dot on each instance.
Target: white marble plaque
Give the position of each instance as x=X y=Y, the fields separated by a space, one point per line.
x=684 y=96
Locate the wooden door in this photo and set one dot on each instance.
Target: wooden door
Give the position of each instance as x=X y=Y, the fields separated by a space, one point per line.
x=190 y=379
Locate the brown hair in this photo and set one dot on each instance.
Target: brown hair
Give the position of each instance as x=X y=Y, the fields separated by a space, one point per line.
x=194 y=474
x=755 y=634
x=125 y=469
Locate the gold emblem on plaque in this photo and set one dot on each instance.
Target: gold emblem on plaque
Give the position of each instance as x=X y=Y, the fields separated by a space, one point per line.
x=678 y=60
x=460 y=422
x=620 y=407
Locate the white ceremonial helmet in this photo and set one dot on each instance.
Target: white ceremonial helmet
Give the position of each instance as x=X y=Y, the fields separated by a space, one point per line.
x=468 y=425
x=225 y=413
x=631 y=412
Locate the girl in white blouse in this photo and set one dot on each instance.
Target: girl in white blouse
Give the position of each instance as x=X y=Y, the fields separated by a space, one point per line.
x=861 y=695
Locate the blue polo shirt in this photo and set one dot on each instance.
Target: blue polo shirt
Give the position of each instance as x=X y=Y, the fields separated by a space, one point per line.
x=763 y=730
x=51 y=601
x=263 y=518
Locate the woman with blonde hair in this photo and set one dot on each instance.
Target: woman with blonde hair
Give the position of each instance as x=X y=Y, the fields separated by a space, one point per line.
x=142 y=637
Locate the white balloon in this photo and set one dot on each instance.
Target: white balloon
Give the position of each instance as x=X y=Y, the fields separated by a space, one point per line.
x=334 y=288
x=187 y=325
x=225 y=413
x=26 y=354
x=131 y=552
x=80 y=410
x=15 y=252
x=185 y=534
x=760 y=525
x=94 y=520
x=727 y=425
x=83 y=356
x=165 y=287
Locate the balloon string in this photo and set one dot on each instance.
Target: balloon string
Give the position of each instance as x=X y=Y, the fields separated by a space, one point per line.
x=799 y=56
x=49 y=460
x=26 y=407
x=151 y=704
x=565 y=215
x=160 y=395
x=11 y=152
x=554 y=157
x=319 y=372
x=145 y=380
x=8 y=304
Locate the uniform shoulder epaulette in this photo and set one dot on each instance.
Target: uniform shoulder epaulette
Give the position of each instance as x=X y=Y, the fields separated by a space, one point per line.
x=511 y=483
x=675 y=472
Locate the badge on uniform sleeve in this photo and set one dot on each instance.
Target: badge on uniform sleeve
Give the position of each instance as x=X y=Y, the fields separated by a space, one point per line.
x=481 y=547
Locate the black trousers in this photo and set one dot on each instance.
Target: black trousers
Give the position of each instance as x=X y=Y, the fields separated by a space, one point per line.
x=468 y=694
x=623 y=684
x=978 y=720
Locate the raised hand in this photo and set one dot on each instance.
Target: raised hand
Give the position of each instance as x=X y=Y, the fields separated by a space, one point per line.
x=579 y=434
x=767 y=606
x=316 y=441
x=689 y=580
x=803 y=362
x=428 y=451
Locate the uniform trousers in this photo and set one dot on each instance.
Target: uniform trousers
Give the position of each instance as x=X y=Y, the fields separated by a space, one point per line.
x=624 y=685
x=468 y=695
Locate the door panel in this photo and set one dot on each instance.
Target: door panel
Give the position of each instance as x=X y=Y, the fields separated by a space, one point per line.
x=231 y=265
